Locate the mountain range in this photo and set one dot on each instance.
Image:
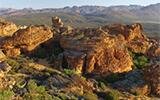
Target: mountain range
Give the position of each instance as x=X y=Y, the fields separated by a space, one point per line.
x=89 y=16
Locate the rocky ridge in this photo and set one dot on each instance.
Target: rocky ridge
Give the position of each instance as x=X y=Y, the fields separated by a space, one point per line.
x=101 y=51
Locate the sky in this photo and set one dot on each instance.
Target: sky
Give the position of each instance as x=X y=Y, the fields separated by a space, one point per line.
x=63 y=3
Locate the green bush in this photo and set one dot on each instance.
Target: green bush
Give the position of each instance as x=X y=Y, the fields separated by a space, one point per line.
x=36 y=92
x=6 y=94
x=102 y=85
x=139 y=60
x=14 y=64
x=90 y=96
x=112 y=95
x=69 y=72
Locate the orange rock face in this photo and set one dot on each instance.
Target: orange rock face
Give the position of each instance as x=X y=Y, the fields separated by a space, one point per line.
x=130 y=32
x=152 y=75
x=7 y=28
x=93 y=50
x=133 y=34
x=26 y=40
x=104 y=50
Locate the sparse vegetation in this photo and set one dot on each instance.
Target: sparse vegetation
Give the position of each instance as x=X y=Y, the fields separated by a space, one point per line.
x=69 y=72
x=36 y=92
x=6 y=95
x=90 y=96
x=139 y=60
x=112 y=95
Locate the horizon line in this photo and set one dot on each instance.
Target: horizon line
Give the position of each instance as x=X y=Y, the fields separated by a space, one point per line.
x=77 y=6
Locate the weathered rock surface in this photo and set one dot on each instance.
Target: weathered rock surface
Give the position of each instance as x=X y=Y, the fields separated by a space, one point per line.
x=104 y=49
x=136 y=41
x=26 y=40
x=2 y=56
x=133 y=82
x=152 y=75
x=93 y=50
x=154 y=50
x=7 y=28
x=130 y=32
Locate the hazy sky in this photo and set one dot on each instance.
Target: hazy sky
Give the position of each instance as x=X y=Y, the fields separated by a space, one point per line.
x=63 y=3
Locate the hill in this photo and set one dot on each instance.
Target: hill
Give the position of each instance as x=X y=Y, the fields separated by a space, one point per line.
x=90 y=16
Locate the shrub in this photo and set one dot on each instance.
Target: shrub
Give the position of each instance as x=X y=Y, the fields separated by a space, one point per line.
x=36 y=92
x=14 y=64
x=139 y=60
x=6 y=94
x=90 y=96
x=112 y=95
x=102 y=85
x=69 y=72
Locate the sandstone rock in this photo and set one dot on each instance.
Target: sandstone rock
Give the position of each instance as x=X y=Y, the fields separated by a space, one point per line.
x=136 y=41
x=26 y=40
x=152 y=75
x=130 y=32
x=57 y=22
x=2 y=56
x=93 y=50
x=59 y=28
x=7 y=28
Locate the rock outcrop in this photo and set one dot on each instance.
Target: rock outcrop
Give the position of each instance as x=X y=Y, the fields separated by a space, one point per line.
x=26 y=40
x=7 y=28
x=136 y=41
x=152 y=75
x=93 y=50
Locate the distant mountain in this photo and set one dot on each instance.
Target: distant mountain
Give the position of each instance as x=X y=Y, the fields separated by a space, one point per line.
x=85 y=16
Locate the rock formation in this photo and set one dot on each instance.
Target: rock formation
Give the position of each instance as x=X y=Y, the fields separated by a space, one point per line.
x=26 y=40
x=59 y=27
x=103 y=49
x=7 y=28
x=154 y=50
x=133 y=34
x=152 y=75
x=2 y=56
x=93 y=50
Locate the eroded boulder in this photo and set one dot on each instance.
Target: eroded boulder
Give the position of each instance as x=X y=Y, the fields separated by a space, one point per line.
x=26 y=40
